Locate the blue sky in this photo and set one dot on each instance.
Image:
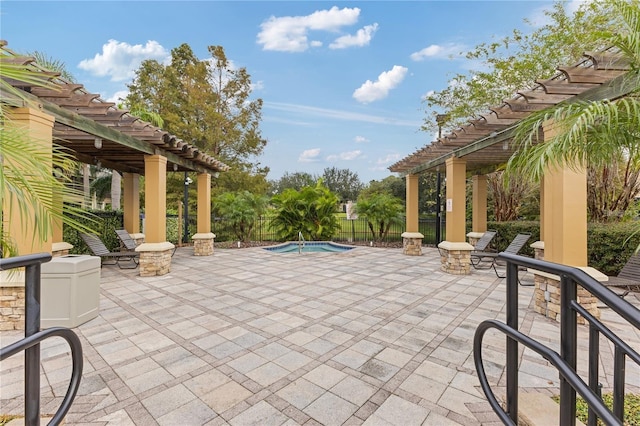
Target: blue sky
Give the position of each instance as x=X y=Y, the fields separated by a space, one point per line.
x=342 y=82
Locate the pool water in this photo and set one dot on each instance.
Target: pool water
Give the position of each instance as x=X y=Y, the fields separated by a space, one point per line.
x=309 y=247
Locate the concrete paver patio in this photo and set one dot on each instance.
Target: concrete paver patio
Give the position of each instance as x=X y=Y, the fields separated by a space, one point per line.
x=250 y=337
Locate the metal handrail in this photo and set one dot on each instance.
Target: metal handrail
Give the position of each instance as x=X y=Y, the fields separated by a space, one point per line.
x=301 y=242
x=565 y=362
x=76 y=357
x=31 y=342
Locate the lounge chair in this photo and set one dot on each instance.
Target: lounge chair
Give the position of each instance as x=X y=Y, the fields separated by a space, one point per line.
x=107 y=257
x=126 y=240
x=628 y=279
x=129 y=243
x=487 y=256
x=482 y=246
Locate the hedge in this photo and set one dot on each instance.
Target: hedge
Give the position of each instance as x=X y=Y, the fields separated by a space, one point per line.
x=609 y=245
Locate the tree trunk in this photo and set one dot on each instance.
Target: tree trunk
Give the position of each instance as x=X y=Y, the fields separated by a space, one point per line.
x=115 y=190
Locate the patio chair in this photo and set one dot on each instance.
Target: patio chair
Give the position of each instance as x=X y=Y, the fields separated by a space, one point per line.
x=126 y=240
x=97 y=247
x=514 y=248
x=482 y=246
x=628 y=279
x=129 y=243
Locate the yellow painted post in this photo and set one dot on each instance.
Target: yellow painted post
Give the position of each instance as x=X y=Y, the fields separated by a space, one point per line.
x=412 y=203
x=39 y=128
x=131 y=207
x=479 y=204
x=565 y=212
x=204 y=203
x=565 y=230
x=455 y=204
x=155 y=200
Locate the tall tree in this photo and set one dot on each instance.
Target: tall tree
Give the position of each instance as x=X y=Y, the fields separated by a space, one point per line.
x=343 y=182
x=295 y=180
x=207 y=103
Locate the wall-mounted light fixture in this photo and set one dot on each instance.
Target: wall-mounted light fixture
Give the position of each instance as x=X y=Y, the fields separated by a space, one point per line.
x=505 y=144
x=97 y=142
x=175 y=167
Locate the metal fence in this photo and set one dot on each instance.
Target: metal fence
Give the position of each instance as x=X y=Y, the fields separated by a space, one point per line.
x=354 y=230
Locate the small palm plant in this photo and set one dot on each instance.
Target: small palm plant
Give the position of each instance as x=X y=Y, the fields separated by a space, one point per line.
x=381 y=210
x=242 y=210
x=310 y=211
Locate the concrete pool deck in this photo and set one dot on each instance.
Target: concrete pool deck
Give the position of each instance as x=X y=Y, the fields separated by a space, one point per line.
x=249 y=337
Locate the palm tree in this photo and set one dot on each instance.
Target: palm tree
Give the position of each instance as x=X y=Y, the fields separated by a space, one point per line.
x=595 y=134
x=381 y=210
x=26 y=181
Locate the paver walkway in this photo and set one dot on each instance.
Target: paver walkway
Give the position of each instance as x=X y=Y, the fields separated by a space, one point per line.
x=250 y=337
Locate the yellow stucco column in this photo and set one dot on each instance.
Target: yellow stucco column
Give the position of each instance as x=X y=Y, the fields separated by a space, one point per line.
x=564 y=235
x=455 y=252
x=412 y=238
x=478 y=205
x=455 y=204
x=565 y=216
x=131 y=205
x=204 y=238
x=412 y=203
x=39 y=128
x=204 y=202
x=156 y=251
x=155 y=200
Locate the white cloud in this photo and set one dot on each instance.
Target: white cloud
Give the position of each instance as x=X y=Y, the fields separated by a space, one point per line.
x=361 y=38
x=438 y=51
x=360 y=139
x=336 y=114
x=347 y=156
x=119 y=60
x=309 y=155
x=289 y=33
x=384 y=162
x=118 y=97
x=373 y=91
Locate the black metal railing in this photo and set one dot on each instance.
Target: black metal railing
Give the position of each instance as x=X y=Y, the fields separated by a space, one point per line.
x=33 y=336
x=565 y=362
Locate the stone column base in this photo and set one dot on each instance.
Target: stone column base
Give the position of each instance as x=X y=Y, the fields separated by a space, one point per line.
x=547 y=294
x=455 y=257
x=203 y=244
x=474 y=237
x=60 y=249
x=138 y=238
x=12 y=300
x=538 y=250
x=155 y=258
x=412 y=243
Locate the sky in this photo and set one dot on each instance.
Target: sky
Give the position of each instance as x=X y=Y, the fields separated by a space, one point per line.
x=342 y=83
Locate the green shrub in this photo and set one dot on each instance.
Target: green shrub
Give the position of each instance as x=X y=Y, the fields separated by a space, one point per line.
x=609 y=246
x=107 y=223
x=631 y=408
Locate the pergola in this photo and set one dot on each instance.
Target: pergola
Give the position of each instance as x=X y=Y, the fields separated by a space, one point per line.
x=483 y=144
x=98 y=132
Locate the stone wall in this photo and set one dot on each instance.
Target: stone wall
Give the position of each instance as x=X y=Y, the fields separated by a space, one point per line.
x=154 y=263
x=12 y=308
x=412 y=246
x=456 y=262
x=547 y=295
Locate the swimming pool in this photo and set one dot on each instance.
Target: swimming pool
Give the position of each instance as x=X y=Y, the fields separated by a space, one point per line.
x=309 y=247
